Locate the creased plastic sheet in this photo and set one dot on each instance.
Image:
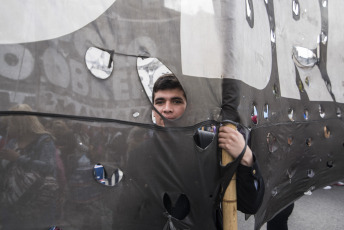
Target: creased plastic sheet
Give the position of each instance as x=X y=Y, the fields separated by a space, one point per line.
x=294 y=111
x=158 y=165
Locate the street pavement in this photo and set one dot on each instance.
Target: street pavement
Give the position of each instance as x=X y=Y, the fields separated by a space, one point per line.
x=323 y=210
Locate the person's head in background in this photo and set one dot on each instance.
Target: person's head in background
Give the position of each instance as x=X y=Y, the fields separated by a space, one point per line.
x=24 y=126
x=169 y=98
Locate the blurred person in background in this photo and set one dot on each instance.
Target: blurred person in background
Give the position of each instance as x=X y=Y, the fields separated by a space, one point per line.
x=28 y=180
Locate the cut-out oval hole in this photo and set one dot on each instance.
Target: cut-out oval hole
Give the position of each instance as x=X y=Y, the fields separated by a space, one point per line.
x=296 y=10
x=272 y=142
x=250 y=13
x=102 y=177
x=329 y=164
x=321 y=111
x=149 y=70
x=99 y=62
x=305 y=114
x=275 y=90
x=266 y=111
x=303 y=57
x=272 y=36
x=310 y=173
x=291 y=114
x=169 y=99
x=324 y=3
x=254 y=115
x=339 y=112
x=180 y=207
x=309 y=141
x=327 y=132
x=204 y=136
x=163 y=89
x=329 y=86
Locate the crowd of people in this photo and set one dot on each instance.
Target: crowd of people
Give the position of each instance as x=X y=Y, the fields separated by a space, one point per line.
x=42 y=160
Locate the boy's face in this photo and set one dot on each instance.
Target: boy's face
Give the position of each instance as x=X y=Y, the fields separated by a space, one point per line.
x=171 y=103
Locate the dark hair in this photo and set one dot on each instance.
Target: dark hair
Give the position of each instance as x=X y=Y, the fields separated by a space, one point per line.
x=167 y=81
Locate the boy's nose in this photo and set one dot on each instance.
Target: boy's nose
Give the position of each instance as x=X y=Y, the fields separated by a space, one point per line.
x=168 y=107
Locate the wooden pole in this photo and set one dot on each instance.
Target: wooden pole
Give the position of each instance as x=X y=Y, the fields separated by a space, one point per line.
x=229 y=202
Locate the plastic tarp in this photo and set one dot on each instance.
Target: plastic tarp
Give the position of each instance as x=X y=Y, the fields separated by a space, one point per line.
x=281 y=62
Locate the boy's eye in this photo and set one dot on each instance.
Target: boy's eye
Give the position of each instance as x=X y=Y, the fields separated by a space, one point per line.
x=178 y=101
x=158 y=102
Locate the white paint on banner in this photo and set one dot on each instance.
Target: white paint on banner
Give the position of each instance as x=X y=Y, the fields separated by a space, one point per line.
x=250 y=57
x=36 y=20
x=201 y=46
x=335 y=48
x=304 y=33
x=16 y=62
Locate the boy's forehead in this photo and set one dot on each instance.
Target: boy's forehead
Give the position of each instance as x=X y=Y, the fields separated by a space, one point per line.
x=170 y=93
